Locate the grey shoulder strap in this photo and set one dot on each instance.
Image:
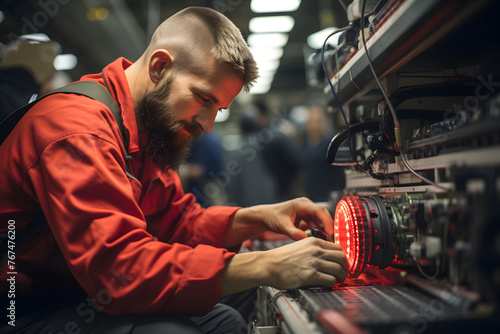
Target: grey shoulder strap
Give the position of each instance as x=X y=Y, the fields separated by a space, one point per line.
x=90 y=89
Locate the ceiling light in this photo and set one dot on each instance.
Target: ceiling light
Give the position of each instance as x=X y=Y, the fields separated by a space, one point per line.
x=262 y=89
x=268 y=65
x=263 y=84
x=265 y=72
x=39 y=37
x=65 y=62
x=272 y=6
x=275 y=40
x=264 y=80
x=222 y=116
x=260 y=53
x=317 y=39
x=271 y=24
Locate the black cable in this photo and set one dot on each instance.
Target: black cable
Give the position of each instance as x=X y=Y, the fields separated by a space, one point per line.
x=389 y=104
x=335 y=95
x=351 y=149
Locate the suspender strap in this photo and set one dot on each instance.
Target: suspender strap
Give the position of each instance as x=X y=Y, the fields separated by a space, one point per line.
x=90 y=89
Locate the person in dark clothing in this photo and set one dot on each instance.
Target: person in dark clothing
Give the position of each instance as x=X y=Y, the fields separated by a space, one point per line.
x=279 y=152
x=202 y=166
x=25 y=67
x=17 y=86
x=320 y=178
x=254 y=183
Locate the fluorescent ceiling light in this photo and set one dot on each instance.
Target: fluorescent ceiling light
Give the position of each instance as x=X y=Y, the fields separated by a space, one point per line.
x=222 y=116
x=263 y=89
x=268 y=65
x=40 y=37
x=263 y=84
x=266 y=76
x=260 y=53
x=272 y=6
x=271 y=24
x=275 y=40
x=264 y=80
x=317 y=39
x=269 y=71
x=65 y=62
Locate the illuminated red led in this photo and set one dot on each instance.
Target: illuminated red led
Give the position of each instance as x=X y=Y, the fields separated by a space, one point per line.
x=350 y=231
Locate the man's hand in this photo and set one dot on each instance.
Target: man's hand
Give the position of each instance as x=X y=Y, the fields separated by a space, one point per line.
x=293 y=217
x=290 y=218
x=309 y=262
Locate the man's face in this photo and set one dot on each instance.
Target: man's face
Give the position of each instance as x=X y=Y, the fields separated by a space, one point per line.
x=183 y=106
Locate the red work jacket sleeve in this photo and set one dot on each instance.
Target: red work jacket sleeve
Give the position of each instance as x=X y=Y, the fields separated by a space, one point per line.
x=89 y=204
x=176 y=217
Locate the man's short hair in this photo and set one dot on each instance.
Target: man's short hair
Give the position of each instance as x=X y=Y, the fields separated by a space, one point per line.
x=229 y=45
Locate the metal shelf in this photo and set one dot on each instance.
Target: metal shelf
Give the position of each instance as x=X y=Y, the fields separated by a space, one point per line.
x=413 y=27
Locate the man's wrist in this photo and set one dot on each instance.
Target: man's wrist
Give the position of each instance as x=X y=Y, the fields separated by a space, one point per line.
x=251 y=216
x=245 y=271
x=247 y=223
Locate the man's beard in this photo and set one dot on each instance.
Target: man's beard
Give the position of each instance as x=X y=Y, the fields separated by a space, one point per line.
x=166 y=144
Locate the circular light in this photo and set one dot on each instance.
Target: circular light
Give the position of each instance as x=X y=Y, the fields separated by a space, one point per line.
x=363 y=229
x=351 y=225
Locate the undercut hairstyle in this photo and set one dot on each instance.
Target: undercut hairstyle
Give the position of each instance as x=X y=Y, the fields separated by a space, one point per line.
x=227 y=44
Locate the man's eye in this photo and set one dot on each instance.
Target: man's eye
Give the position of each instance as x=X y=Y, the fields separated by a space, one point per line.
x=202 y=99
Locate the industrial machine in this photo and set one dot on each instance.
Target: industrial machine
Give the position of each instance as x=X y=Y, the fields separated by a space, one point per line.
x=418 y=84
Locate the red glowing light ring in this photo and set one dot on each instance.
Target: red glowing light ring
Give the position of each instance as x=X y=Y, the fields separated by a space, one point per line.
x=353 y=237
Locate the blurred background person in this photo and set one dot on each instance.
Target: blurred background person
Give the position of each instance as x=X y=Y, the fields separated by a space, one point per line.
x=319 y=177
x=280 y=153
x=253 y=182
x=26 y=70
x=205 y=162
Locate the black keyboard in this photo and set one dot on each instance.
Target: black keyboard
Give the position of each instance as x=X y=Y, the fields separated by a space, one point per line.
x=376 y=304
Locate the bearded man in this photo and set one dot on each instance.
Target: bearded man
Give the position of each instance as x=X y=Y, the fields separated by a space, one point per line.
x=107 y=250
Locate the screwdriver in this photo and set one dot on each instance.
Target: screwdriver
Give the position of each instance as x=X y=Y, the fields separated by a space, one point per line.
x=317 y=233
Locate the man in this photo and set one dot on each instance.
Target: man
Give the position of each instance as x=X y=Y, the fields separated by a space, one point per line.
x=137 y=245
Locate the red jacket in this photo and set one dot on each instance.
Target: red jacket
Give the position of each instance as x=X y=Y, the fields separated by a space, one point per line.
x=134 y=245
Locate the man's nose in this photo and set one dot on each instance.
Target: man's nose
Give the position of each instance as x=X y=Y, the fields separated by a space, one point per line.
x=206 y=119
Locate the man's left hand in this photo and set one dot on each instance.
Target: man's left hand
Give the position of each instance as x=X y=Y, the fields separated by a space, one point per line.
x=290 y=218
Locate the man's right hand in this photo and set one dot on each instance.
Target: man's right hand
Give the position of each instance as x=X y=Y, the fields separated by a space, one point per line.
x=308 y=262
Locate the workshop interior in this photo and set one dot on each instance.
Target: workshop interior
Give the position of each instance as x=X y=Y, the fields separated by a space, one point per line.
x=412 y=91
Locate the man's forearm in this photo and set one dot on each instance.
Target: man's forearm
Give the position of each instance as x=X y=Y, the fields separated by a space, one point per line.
x=246 y=224
x=244 y=271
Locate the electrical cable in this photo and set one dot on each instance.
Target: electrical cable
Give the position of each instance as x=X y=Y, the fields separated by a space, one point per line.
x=391 y=108
x=426 y=275
x=338 y=101
x=340 y=104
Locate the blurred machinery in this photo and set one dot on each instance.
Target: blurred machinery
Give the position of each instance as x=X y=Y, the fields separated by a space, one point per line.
x=419 y=218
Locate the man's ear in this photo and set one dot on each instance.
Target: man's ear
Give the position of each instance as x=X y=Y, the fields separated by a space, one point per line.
x=160 y=62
